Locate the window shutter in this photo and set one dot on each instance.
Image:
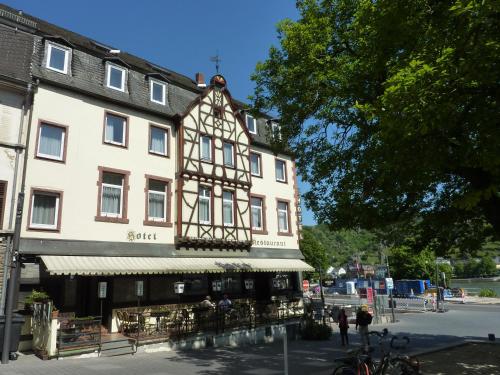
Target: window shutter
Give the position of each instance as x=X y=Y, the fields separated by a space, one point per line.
x=3 y=192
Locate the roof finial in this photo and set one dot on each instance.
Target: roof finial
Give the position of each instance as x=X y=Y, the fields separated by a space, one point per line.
x=216 y=59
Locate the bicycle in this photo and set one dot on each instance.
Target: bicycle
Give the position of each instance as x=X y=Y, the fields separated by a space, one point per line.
x=360 y=362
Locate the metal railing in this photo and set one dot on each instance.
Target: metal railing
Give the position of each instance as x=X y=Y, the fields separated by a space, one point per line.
x=181 y=322
x=78 y=334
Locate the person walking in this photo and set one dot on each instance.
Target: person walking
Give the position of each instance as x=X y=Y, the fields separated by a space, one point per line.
x=343 y=326
x=363 y=320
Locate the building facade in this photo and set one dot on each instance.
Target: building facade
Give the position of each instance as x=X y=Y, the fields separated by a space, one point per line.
x=137 y=175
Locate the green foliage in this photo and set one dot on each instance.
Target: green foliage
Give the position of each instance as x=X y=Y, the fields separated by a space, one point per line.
x=391 y=109
x=476 y=268
x=344 y=245
x=313 y=251
x=313 y=330
x=487 y=293
x=36 y=296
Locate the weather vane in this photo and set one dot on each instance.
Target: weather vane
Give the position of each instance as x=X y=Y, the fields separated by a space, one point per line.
x=216 y=59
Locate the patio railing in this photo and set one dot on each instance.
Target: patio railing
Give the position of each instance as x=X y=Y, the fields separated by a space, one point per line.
x=176 y=322
x=78 y=333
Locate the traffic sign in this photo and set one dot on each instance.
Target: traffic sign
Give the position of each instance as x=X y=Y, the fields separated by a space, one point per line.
x=305 y=285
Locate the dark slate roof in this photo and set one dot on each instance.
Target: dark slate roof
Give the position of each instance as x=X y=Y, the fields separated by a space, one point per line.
x=87 y=71
x=15 y=57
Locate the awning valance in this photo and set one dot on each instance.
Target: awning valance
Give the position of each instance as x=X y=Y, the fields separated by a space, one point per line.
x=90 y=265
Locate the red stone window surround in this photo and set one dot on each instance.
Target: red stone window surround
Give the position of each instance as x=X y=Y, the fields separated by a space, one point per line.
x=259 y=157
x=39 y=154
x=168 y=203
x=289 y=216
x=167 y=141
x=278 y=161
x=125 y=131
x=123 y=218
x=264 y=221
x=59 y=202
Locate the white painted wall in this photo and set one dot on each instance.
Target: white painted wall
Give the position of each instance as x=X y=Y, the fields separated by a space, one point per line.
x=78 y=177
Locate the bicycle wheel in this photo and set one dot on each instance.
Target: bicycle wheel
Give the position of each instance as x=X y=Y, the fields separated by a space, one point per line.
x=399 y=366
x=349 y=370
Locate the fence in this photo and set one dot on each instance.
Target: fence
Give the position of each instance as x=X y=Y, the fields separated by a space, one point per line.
x=78 y=333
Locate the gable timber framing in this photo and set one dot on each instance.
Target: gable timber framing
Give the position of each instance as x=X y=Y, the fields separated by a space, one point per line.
x=213 y=115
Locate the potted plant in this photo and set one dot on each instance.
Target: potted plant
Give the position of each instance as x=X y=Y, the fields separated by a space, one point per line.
x=35 y=297
x=55 y=313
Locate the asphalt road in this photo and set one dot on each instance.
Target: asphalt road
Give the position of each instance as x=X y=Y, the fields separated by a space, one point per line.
x=426 y=331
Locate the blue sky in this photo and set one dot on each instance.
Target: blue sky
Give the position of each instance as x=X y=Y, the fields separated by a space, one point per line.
x=180 y=35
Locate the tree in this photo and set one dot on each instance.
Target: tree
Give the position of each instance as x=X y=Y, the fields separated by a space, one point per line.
x=391 y=109
x=313 y=251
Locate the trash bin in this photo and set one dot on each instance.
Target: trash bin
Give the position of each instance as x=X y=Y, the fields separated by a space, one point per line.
x=17 y=323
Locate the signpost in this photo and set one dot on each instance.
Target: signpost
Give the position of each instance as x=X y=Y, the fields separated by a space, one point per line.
x=305 y=285
x=102 y=291
x=139 y=291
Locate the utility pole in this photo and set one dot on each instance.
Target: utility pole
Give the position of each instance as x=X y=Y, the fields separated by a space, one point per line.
x=322 y=295
x=390 y=291
x=437 y=286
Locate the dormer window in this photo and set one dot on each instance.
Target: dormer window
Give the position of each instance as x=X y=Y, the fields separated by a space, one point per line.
x=251 y=124
x=157 y=91
x=58 y=58
x=115 y=77
x=276 y=129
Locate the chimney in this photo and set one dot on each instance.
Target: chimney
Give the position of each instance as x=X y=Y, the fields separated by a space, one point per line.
x=200 y=80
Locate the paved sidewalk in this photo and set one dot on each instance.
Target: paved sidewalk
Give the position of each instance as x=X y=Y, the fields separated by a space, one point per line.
x=426 y=331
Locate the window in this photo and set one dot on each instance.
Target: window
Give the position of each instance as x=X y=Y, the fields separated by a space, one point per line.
x=112 y=195
x=206 y=148
x=204 y=205
x=157 y=200
x=255 y=164
x=115 y=130
x=51 y=142
x=276 y=129
x=45 y=210
x=251 y=124
x=158 y=141
x=227 y=208
x=283 y=216
x=115 y=77
x=57 y=58
x=257 y=205
x=228 y=154
x=157 y=89
x=280 y=166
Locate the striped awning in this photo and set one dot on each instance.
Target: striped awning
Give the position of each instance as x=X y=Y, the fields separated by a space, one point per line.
x=91 y=265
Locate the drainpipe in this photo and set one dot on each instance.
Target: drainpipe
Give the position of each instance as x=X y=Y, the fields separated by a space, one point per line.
x=13 y=200
x=15 y=257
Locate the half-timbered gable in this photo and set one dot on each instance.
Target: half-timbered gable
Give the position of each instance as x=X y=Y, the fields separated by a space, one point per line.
x=214 y=173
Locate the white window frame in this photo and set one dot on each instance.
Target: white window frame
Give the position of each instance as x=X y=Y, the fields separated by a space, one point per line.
x=56 y=211
x=165 y=153
x=164 y=193
x=63 y=141
x=225 y=201
x=66 y=50
x=203 y=197
x=231 y=165
x=276 y=129
x=209 y=159
x=261 y=209
x=283 y=163
x=255 y=124
x=110 y=66
x=103 y=184
x=163 y=85
x=124 y=133
x=287 y=229
x=259 y=163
